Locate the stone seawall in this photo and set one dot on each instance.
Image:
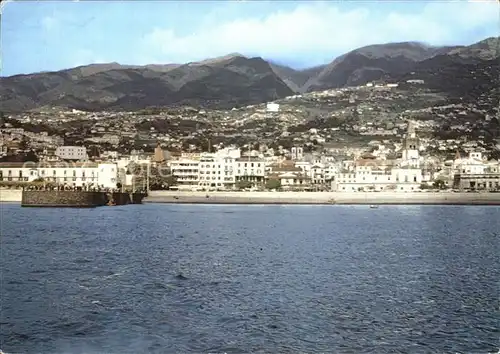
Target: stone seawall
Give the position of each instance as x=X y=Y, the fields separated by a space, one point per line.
x=126 y=198
x=119 y=198
x=80 y=199
x=420 y=198
x=76 y=199
x=137 y=198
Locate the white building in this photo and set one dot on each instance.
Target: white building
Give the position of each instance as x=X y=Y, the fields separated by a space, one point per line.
x=473 y=164
x=216 y=171
x=375 y=175
x=320 y=170
x=71 y=152
x=378 y=175
x=104 y=175
x=317 y=173
x=297 y=153
x=251 y=169
x=474 y=172
x=220 y=170
x=186 y=172
x=272 y=107
x=331 y=170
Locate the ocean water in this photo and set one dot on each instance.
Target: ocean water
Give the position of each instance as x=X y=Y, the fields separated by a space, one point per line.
x=250 y=279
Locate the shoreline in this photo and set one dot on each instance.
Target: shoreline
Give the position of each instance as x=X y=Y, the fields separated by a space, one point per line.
x=323 y=198
x=303 y=198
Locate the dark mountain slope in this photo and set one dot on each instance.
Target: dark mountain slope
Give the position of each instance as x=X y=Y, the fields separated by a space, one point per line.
x=296 y=79
x=220 y=82
x=227 y=84
x=370 y=63
x=487 y=49
x=459 y=77
x=356 y=69
x=394 y=59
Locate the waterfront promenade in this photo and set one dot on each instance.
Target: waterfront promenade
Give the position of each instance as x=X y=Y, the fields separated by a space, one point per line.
x=179 y=197
x=323 y=198
x=11 y=195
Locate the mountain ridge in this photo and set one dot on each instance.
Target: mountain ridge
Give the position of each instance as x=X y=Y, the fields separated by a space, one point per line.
x=227 y=81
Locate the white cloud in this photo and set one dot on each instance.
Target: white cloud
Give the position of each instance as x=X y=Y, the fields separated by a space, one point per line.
x=320 y=30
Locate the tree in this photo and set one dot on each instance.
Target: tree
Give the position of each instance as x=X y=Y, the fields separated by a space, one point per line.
x=23 y=144
x=439 y=184
x=424 y=186
x=93 y=151
x=170 y=180
x=273 y=184
x=243 y=184
x=160 y=177
x=31 y=157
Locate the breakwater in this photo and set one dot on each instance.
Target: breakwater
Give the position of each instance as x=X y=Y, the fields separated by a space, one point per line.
x=56 y=198
x=319 y=198
x=77 y=199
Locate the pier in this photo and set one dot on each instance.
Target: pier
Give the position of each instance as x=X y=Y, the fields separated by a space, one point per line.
x=78 y=198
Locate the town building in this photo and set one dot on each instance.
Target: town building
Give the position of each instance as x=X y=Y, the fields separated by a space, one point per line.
x=223 y=169
x=372 y=174
x=216 y=170
x=186 y=172
x=377 y=175
x=475 y=173
x=297 y=153
x=75 y=174
x=289 y=175
x=250 y=169
x=482 y=181
x=76 y=153
x=272 y=107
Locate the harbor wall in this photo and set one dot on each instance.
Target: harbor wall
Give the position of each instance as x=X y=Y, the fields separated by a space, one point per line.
x=324 y=198
x=119 y=198
x=126 y=198
x=79 y=199
x=137 y=198
x=68 y=198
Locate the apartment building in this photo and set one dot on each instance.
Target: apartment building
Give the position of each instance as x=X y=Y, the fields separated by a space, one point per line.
x=186 y=172
x=71 y=152
x=220 y=170
x=251 y=169
x=216 y=171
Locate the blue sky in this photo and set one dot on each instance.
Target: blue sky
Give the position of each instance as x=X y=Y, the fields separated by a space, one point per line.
x=46 y=35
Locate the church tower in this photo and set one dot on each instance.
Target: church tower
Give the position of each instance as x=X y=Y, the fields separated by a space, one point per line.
x=411 y=145
x=159 y=156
